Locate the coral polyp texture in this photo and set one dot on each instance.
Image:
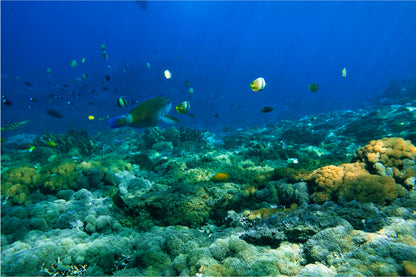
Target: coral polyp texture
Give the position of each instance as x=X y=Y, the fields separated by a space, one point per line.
x=393 y=157
x=182 y=202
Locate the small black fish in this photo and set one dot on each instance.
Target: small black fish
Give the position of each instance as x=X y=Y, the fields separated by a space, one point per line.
x=314 y=87
x=27 y=83
x=90 y=103
x=105 y=88
x=54 y=113
x=31 y=99
x=267 y=109
x=107 y=78
x=119 y=202
x=65 y=86
x=191 y=115
x=217 y=115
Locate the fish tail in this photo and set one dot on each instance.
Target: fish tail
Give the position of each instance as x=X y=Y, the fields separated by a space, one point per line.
x=118 y=122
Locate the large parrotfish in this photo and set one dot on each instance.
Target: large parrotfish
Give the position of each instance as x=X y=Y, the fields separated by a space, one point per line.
x=146 y=114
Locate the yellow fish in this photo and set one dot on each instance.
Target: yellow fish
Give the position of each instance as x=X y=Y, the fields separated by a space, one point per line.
x=344 y=73
x=258 y=85
x=183 y=107
x=51 y=143
x=146 y=114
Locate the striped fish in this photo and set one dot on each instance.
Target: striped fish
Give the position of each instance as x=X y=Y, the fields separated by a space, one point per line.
x=15 y=125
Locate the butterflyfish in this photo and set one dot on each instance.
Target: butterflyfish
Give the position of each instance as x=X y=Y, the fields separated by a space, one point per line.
x=122 y=102
x=146 y=114
x=168 y=75
x=258 y=85
x=344 y=73
x=314 y=87
x=183 y=107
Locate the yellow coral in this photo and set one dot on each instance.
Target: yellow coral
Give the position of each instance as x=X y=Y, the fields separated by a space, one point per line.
x=410 y=268
x=372 y=188
x=16 y=183
x=328 y=180
x=391 y=152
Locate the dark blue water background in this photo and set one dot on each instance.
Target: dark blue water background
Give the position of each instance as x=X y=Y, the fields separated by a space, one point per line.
x=219 y=47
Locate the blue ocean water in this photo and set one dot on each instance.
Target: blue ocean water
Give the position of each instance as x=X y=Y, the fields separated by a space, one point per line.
x=219 y=47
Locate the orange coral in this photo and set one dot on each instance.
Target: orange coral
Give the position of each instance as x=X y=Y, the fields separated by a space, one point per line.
x=390 y=152
x=330 y=179
x=372 y=188
x=352 y=182
x=16 y=183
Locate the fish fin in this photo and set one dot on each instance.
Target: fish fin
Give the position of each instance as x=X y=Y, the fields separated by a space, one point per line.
x=170 y=119
x=118 y=122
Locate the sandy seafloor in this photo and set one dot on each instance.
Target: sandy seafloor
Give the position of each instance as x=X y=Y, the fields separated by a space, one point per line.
x=329 y=194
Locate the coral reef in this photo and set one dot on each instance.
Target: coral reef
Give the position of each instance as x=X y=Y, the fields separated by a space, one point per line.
x=134 y=203
x=76 y=142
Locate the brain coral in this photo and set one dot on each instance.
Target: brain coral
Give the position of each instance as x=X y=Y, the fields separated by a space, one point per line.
x=395 y=154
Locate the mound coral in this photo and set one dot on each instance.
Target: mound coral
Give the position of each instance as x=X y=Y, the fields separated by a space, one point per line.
x=16 y=183
x=19 y=182
x=329 y=180
x=389 y=156
x=353 y=182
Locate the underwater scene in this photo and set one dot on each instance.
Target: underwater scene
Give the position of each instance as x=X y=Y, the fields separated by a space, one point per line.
x=208 y=138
